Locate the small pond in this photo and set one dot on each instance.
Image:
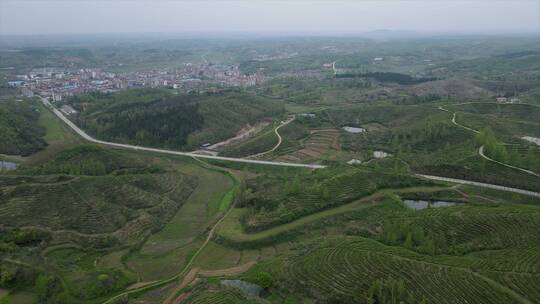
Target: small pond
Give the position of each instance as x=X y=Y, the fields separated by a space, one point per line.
x=247 y=288
x=354 y=129
x=420 y=204
x=5 y=165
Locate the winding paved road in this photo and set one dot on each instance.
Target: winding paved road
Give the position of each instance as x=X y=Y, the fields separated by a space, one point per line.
x=279 y=139
x=481 y=149
x=481 y=152
x=190 y=154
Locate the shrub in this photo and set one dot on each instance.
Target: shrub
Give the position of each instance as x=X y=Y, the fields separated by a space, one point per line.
x=264 y=279
x=47 y=287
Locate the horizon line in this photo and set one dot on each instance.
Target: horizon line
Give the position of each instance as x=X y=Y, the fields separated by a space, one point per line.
x=271 y=33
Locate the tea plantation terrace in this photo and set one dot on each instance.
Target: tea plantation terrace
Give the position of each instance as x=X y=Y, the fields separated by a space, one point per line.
x=251 y=161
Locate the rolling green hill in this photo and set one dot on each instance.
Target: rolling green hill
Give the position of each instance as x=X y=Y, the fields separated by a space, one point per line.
x=159 y=118
x=487 y=253
x=59 y=217
x=273 y=201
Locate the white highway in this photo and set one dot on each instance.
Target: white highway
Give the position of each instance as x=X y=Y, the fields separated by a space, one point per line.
x=484 y=185
x=139 y=148
x=242 y=160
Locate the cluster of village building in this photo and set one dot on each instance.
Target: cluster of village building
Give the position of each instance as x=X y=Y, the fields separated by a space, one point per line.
x=58 y=83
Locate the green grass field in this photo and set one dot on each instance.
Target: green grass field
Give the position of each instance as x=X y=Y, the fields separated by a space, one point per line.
x=54 y=130
x=164 y=253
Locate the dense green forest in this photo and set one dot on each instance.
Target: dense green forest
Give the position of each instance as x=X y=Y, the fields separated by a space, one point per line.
x=20 y=133
x=159 y=118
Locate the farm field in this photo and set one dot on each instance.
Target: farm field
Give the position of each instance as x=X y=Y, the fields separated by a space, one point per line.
x=317 y=143
x=468 y=259
x=164 y=253
x=275 y=219
x=338 y=269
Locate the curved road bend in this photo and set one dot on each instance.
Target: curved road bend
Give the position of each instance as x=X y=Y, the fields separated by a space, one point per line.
x=139 y=148
x=278 y=136
x=481 y=152
x=481 y=149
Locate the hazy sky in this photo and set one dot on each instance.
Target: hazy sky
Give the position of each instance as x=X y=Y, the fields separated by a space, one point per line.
x=300 y=16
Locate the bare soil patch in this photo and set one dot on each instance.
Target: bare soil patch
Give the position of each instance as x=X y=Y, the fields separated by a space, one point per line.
x=192 y=274
x=243 y=134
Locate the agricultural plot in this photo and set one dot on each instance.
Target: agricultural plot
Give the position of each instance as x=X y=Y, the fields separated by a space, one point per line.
x=317 y=144
x=478 y=251
x=166 y=251
x=525 y=284
x=431 y=144
x=381 y=115
x=116 y=208
x=508 y=120
x=342 y=271
x=215 y=294
x=476 y=168
x=83 y=216
x=416 y=134
x=278 y=201
x=465 y=228
x=509 y=123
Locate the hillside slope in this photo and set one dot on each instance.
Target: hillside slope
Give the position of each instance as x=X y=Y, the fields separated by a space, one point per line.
x=58 y=219
x=20 y=133
x=161 y=119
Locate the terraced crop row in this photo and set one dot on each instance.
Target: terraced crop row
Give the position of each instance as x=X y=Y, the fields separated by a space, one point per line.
x=330 y=192
x=127 y=204
x=489 y=230
x=527 y=285
x=225 y=296
x=348 y=270
x=317 y=143
x=342 y=189
x=515 y=111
